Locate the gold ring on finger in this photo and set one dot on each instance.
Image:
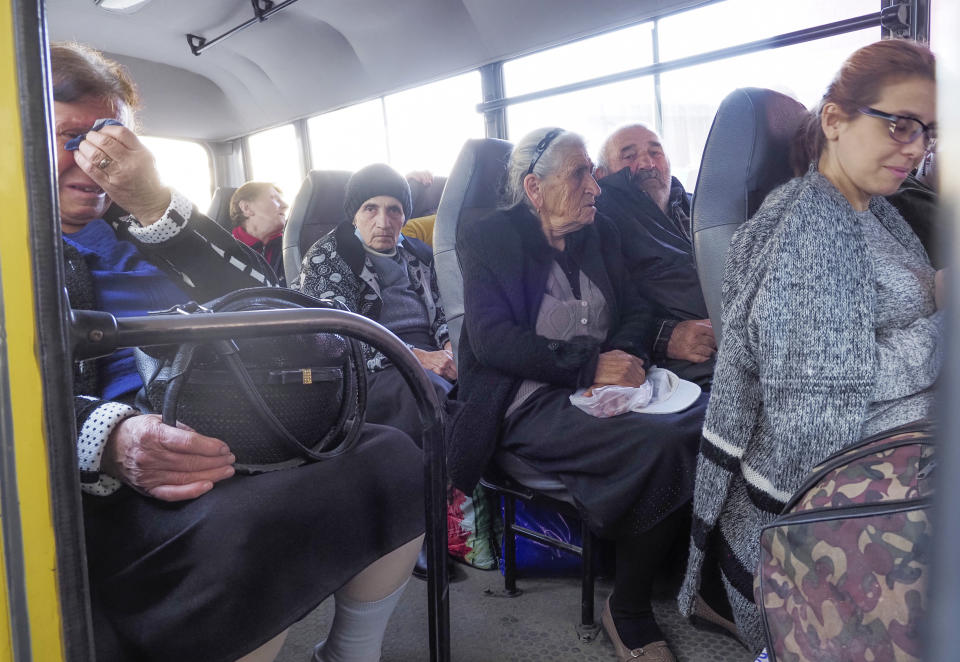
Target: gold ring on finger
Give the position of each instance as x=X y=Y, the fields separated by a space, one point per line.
x=104 y=162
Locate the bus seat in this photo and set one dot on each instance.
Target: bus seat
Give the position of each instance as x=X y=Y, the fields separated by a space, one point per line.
x=746 y=156
x=220 y=206
x=317 y=209
x=426 y=199
x=472 y=191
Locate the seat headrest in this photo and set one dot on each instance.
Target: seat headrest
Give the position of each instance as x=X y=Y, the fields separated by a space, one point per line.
x=472 y=191
x=317 y=209
x=746 y=156
x=426 y=199
x=219 y=209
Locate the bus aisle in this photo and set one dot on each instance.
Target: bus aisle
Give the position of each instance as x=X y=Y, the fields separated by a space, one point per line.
x=534 y=627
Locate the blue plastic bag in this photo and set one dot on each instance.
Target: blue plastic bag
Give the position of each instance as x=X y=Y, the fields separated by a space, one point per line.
x=536 y=559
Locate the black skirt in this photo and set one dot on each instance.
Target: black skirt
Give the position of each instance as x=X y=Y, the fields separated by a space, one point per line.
x=214 y=578
x=642 y=463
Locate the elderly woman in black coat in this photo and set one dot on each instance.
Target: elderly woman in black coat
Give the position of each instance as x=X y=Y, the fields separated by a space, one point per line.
x=550 y=308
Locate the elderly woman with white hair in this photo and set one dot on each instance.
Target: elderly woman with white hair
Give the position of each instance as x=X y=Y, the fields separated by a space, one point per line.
x=550 y=308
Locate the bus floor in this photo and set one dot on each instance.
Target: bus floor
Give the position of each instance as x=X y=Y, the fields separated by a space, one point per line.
x=536 y=626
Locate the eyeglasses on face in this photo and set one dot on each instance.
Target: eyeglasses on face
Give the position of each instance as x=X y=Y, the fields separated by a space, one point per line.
x=542 y=147
x=905 y=129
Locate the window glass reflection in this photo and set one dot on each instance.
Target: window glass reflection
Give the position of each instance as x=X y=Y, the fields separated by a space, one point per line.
x=691 y=96
x=350 y=138
x=275 y=157
x=427 y=125
x=722 y=24
x=185 y=166
x=593 y=113
x=605 y=54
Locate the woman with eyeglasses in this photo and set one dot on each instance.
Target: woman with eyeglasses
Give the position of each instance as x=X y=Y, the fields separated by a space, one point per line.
x=832 y=315
x=549 y=308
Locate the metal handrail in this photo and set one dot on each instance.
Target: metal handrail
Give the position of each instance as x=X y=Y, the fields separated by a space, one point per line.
x=95 y=333
x=262 y=10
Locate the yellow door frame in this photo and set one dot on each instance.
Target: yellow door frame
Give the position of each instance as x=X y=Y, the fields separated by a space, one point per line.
x=31 y=616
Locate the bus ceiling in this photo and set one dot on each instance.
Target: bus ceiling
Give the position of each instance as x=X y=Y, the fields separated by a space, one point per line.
x=282 y=60
x=315 y=56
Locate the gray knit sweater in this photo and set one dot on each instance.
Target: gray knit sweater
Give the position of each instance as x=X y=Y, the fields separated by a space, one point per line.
x=806 y=358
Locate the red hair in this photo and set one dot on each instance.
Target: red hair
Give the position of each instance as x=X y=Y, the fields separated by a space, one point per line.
x=859 y=83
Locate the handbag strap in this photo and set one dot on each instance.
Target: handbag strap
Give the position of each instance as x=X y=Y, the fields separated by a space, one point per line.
x=268 y=297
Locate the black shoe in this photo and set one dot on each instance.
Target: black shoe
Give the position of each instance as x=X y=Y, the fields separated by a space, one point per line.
x=420 y=569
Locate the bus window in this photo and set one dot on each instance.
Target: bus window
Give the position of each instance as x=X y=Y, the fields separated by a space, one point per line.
x=350 y=138
x=593 y=113
x=691 y=96
x=275 y=157
x=427 y=125
x=608 y=53
x=183 y=165
x=421 y=128
x=722 y=24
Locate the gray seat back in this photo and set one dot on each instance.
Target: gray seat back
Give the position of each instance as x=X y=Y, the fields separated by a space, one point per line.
x=219 y=209
x=472 y=191
x=426 y=199
x=317 y=209
x=747 y=155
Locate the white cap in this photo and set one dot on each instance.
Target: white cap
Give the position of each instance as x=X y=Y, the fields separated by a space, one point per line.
x=670 y=393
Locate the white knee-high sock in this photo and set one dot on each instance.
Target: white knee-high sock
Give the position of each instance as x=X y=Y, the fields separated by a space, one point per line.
x=357 y=631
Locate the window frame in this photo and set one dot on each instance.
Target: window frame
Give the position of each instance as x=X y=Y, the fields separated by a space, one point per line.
x=491 y=108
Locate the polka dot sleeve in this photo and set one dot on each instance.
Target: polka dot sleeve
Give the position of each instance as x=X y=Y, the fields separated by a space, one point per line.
x=169 y=225
x=91 y=441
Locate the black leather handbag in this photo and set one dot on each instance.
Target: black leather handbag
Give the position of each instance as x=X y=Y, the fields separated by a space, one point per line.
x=278 y=402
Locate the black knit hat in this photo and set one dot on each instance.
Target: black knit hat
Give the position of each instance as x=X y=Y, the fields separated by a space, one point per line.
x=374 y=180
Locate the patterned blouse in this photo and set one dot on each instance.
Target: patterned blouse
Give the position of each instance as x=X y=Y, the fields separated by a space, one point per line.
x=337 y=267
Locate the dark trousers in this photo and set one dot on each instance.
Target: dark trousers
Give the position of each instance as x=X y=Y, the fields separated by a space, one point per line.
x=390 y=401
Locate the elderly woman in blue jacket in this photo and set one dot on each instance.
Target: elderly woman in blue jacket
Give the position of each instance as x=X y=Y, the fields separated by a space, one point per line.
x=186 y=560
x=367 y=264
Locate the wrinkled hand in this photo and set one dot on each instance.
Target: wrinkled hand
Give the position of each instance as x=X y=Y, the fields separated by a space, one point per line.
x=618 y=368
x=167 y=463
x=422 y=176
x=130 y=176
x=440 y=362
x=692 y=340
x=940 y=288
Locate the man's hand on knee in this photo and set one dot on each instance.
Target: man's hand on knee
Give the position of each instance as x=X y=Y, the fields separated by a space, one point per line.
x=440 y=362
x=692 y=340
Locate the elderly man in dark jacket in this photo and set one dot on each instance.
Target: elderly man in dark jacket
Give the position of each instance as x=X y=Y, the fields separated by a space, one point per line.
x=370 y=266
x=652 y=212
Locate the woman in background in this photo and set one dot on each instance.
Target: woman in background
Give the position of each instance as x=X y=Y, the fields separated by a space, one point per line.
x=258 y=213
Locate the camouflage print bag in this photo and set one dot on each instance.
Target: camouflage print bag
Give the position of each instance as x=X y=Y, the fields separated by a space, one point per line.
x=843 y=570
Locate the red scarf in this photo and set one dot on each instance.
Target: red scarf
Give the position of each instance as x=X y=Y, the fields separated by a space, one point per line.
x=267 y=248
